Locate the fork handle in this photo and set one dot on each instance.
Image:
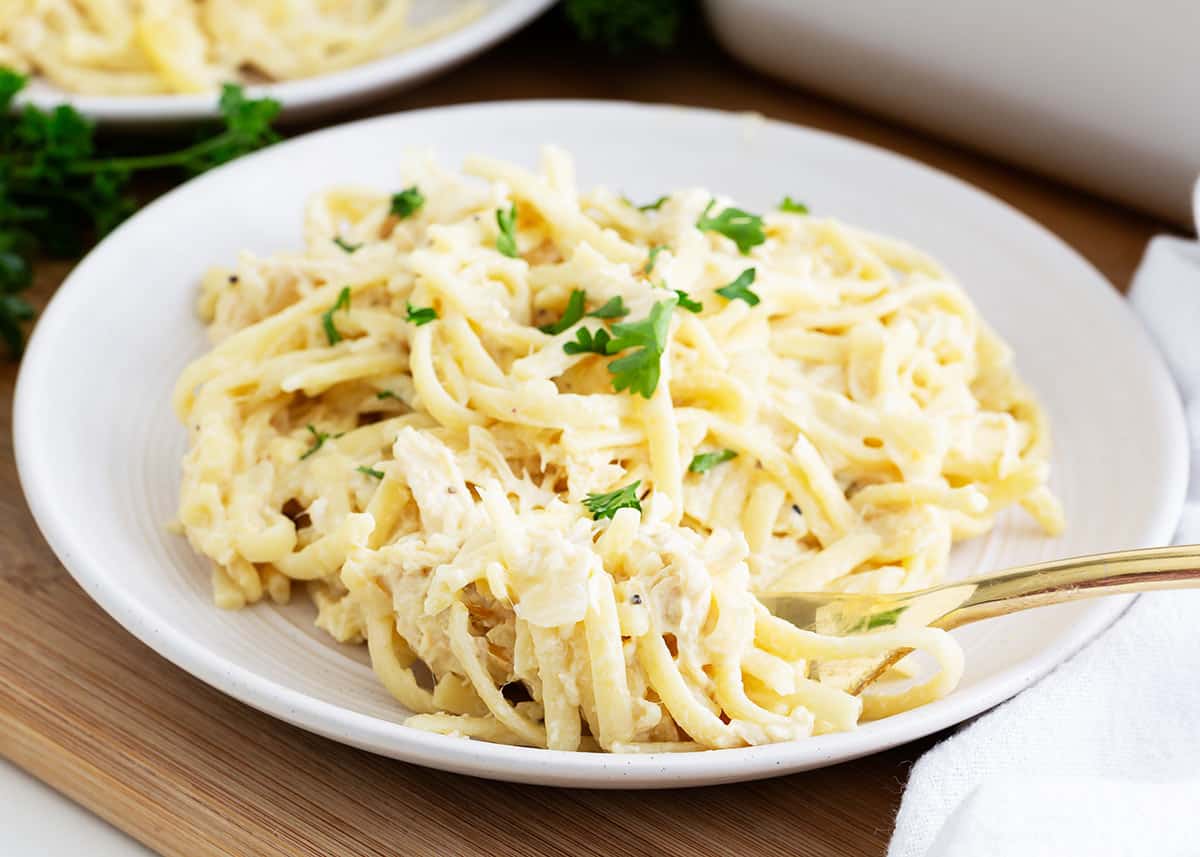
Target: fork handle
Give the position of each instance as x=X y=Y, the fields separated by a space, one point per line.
x=1054 y=582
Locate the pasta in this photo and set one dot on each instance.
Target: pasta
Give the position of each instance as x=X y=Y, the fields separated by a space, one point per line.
x=141 y=47
x=541 y=451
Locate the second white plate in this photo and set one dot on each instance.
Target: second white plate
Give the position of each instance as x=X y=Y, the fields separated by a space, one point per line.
x=99 y=450
x=310 y=97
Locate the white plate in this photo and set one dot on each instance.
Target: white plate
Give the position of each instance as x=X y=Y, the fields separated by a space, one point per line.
x=98 y=448
x=310 y=97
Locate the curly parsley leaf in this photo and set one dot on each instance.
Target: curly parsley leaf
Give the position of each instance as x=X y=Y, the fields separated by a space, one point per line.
x=739 y=289
x=346 y=245
x=614 y=308
x=387 y=394
x=370 y=471
x=706 y=461
x=651 y=257
x=588 y=343
x=793 y=206
x=607 y=505
x=506 y=241
x=639 y=371
x=419 y=315
x=342 y=303
x=407 y=202
x=571 y=315
x=687 y=303
x=742 y=228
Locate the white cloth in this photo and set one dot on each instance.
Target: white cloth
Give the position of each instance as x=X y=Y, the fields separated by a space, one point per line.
x=1102 y=757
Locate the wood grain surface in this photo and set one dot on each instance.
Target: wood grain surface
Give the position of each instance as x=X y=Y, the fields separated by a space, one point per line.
x=188 y=771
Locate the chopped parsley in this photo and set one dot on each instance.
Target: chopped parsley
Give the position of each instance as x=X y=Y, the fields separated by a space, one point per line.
x=346 y=245
x=370 y=471
x=639 y=372
x=319 y=438
x=570 y=316
x=387 y=394
x=342 y=303
x=687 y=303
x=878 y=620
x=739 y=289
x=615 y=308
x=588 y=343
x=706 y=461
x=419 y=315
x=650 y=206
x=408 y=202
x=506 y=241
x=742 y=228
x=793 y=206
x=607 y=505
x=653 y=255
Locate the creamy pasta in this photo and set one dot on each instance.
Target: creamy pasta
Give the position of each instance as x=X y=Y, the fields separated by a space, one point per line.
x=541 y=450
x=140 y=47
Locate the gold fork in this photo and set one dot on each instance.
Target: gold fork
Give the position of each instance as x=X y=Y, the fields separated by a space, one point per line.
x=958 y=602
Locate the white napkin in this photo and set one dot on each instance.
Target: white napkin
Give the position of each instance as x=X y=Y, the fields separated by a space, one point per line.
x=1102 y=757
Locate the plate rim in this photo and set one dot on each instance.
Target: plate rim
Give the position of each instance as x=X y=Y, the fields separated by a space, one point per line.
x=551 y=767
x=307 y=96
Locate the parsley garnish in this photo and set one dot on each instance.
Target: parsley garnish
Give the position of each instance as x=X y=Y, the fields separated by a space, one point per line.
x=419 y=315
x=370 y=471
x=587 y=343
x=346 y=245
x=793 y=206
x=387 y=394
x=319 y=438
x=687 y=303
x=607 y=505
x=706 y=461
x=650 y=206
x=571 y=314
x=878 y=620
x=342 y=303
x=59 y=192
x=639 y=372
x=739 y=289
x=742 y=228
x=653 y=254
x=615 y=308
x=624 y=26
x=506 y=241
x=408 y=202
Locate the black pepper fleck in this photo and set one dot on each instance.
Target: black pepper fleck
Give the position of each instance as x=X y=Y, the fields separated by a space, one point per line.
x=635 y=599
x=233 y=278
x=796 y=509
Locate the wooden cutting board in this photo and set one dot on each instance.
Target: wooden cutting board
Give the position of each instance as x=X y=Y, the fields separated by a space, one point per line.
x=190 y=772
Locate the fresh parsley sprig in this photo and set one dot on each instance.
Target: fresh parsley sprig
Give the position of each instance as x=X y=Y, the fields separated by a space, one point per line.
x=650 y=206
x=741 y=227
x=571 y=315
x=639 y=371
x=706 y=461
x=506 y=241
x=419 y=315
x=587 y=342
x=319 y=438
x=613 y=308
x=346 y=245
x=342 y=303
x=407 y=202
x=739 y=288
x=607 y=505
x=59 y=192
x=687 y=303
x=370 y=471
x=651 y=257
x=793 y=206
